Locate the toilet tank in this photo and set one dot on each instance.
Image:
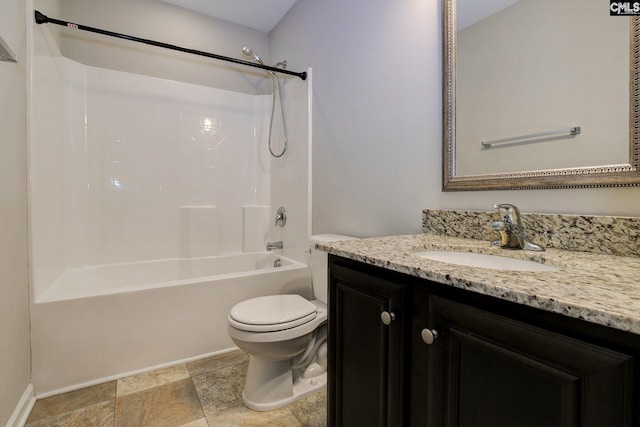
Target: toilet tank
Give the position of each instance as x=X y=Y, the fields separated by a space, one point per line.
x=319 y=262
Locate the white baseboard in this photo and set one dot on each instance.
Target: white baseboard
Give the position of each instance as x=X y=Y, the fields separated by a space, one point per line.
x=130 y=373
x=23 y=409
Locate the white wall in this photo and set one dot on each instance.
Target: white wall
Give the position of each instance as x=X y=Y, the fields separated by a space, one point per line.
x=14 y=308
x=377 y=131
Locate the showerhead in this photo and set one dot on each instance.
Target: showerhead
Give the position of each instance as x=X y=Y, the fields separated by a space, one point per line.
x=247 y=51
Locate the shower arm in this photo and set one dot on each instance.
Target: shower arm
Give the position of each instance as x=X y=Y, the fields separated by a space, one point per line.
x=43 y=19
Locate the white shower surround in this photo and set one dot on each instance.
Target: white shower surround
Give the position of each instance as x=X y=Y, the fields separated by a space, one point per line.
x=126 y=153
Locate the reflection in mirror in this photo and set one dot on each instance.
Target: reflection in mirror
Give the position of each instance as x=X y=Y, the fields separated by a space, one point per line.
x=515 y=89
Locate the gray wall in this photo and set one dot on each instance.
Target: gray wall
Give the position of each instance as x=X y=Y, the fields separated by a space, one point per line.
x=14 y=306
x=377 y=120
x=376 y=110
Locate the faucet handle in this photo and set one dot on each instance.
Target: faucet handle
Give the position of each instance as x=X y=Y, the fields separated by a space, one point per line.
x=281 y=217
x=509 y=213
x=507 y=206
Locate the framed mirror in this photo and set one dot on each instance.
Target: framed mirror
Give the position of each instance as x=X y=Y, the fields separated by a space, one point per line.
x=555 y=108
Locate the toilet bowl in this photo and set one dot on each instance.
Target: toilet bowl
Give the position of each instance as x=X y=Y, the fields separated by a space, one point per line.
x=285 y=337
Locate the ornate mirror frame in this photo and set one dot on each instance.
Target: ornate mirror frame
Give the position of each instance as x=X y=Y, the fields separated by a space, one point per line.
x=622 y=175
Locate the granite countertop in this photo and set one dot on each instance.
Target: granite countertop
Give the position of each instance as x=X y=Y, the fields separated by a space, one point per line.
x=602 y=289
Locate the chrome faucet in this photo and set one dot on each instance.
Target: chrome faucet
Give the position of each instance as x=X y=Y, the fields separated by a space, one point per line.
x=274 y=245
x=510 y=229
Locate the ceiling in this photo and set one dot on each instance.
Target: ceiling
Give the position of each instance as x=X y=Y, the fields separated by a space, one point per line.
x=260 y=15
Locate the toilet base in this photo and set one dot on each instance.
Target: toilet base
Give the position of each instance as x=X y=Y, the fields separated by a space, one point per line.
x=270 y=384
x=302 y=388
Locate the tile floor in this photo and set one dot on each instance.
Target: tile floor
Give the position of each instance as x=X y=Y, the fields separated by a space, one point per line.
x=203 y=393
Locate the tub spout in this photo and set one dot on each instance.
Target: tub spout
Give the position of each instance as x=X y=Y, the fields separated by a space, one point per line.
x=274 y=245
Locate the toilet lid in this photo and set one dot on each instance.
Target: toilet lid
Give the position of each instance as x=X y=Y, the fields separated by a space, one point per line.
x=272 y=313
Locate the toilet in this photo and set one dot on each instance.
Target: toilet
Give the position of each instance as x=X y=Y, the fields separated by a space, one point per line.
x=285 y=337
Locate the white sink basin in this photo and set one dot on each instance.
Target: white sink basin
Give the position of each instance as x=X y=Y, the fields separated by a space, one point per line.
x=484 y=261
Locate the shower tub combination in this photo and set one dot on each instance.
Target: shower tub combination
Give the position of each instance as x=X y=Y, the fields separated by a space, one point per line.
x=139 y=245
x=100 y=323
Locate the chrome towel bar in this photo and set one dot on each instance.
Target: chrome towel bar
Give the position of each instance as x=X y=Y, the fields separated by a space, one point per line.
x=575 y=130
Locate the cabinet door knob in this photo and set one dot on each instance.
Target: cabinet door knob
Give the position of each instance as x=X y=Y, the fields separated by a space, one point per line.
x=387 y=317
x=429 y=336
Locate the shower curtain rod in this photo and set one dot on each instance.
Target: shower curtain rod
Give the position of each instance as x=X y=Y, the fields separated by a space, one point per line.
x=43 y=19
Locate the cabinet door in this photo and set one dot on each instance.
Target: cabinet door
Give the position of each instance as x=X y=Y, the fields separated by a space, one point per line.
x=365 y=385
x=486 y=370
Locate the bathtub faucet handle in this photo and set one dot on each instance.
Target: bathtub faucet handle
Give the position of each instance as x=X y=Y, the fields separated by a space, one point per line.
x=281 y=217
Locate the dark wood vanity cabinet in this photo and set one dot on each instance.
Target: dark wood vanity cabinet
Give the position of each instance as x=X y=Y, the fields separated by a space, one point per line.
x=489 y=370
x=367 y=354
x=459 y=359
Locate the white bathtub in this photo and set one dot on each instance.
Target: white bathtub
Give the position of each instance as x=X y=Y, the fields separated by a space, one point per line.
x=135 y=276
x=103 y=322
